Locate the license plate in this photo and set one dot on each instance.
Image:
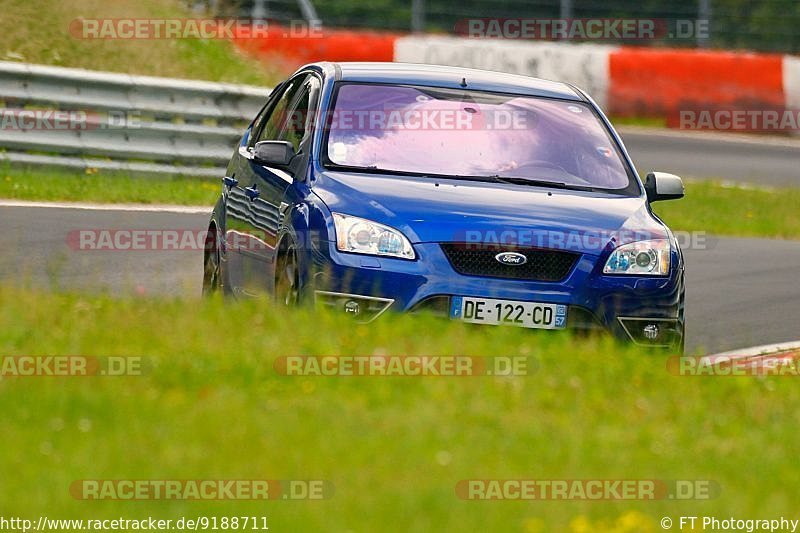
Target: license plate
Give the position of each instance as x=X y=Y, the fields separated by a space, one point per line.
x=508 y=312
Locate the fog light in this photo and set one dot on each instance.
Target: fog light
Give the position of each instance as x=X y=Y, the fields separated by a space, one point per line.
x=661 y=332
x=650 y=331
x=351 y=307
x=361 y=308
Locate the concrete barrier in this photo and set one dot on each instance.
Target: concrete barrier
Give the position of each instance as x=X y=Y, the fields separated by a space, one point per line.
x=584 y=65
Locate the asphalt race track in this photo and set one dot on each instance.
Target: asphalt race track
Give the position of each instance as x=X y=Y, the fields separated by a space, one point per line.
x=740 y=292
x=765 y=161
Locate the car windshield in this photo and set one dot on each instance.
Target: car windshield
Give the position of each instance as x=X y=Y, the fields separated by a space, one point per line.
x=465 y=133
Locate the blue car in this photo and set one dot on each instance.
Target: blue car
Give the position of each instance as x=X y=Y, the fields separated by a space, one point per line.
x=480 y=196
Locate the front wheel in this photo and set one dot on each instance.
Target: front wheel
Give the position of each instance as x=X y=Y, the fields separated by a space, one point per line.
x=680 y=346
x=212 y=281
x=287 y=278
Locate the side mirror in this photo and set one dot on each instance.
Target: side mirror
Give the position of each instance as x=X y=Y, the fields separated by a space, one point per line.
x=663 y=186
x=276 y=153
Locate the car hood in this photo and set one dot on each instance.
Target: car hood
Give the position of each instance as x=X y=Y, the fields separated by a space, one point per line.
x=428 y=209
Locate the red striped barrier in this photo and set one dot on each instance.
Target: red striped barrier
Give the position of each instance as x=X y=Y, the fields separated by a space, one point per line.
x=648 y=82
x=292 y=51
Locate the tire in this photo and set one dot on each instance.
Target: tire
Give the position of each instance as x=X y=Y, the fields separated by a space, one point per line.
x=212 y=278
x=680 y=347
x=287 y=277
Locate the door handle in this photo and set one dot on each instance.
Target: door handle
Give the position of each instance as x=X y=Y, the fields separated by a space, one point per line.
x=252 y=192
x=230 y=182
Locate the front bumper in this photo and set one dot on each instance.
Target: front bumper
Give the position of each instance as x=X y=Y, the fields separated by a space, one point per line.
x=622 y=305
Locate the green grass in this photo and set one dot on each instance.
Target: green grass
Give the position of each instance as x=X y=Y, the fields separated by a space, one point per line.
x=100 y=187
x=734 y=210
x=210 y=406
x=650 y=122
x=39 y=32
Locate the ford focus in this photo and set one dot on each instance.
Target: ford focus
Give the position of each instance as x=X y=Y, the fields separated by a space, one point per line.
x=484 y=197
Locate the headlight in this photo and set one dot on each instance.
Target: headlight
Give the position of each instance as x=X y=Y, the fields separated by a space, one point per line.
x=361 y=236
x=644 y=258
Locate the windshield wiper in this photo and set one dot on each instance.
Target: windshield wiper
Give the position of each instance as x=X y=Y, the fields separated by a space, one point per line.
x=522 y=180
x=492 y=178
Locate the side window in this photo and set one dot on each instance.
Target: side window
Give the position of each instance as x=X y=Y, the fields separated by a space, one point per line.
x=271 y=124
x=262 y=117
x=301 y=114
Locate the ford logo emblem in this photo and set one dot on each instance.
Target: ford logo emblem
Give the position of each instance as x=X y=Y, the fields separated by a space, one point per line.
x=511 y=258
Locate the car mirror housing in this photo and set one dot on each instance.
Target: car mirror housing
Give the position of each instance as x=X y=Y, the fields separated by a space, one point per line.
x=277 y=153
x=663 y=186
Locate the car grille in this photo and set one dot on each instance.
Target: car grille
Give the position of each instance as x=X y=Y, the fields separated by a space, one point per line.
x=479 y=260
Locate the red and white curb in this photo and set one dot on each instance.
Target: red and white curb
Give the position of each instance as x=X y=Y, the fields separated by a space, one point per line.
x=756 y=354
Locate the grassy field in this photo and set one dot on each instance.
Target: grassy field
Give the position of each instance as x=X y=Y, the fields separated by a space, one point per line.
x=709 y=206
x=48 y=41
x=649 y=122
x=734 y=210
x=75 y=186
x=211 y=406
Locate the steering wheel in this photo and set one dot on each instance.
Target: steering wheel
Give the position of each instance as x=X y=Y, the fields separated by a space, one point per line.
x=542 y=163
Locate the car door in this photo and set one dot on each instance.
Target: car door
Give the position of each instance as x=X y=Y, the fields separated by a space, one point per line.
x=239 y=235
x=265 y=186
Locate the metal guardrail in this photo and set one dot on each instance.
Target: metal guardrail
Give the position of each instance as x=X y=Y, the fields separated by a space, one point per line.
x=138 y=124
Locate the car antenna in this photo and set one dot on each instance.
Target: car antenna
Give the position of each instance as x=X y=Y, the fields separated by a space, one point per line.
x=463 y=82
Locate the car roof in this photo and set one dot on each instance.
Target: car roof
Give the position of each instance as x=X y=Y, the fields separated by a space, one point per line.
x=451 y=77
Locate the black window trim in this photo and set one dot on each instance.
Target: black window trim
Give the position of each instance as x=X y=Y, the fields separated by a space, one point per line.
x=274 y=97
x=313 y=106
